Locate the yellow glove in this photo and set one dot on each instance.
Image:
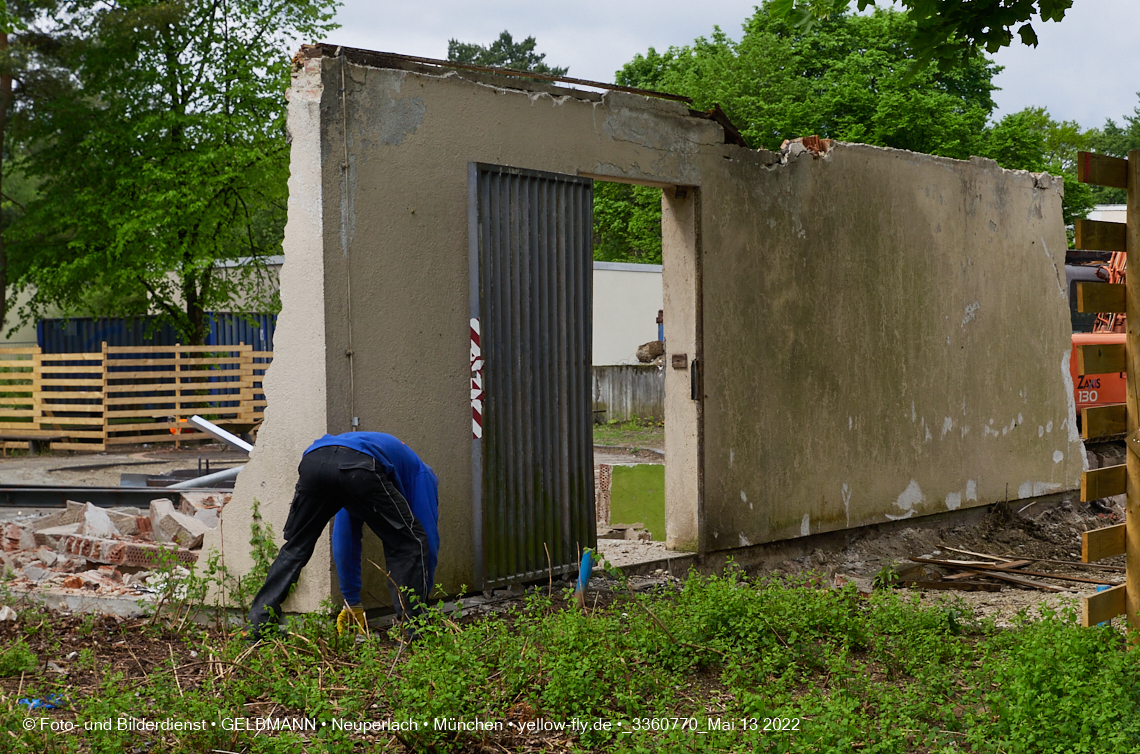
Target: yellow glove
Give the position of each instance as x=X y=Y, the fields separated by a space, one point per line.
x=351 y=619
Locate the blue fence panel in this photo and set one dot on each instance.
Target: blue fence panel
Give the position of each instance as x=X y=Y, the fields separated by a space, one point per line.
x=87 y=334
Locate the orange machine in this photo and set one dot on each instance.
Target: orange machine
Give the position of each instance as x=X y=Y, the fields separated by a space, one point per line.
x=1096 y=389
x=1101 y=389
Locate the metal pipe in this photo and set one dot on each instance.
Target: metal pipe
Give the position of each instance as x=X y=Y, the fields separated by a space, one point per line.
x=213 y=429
x=204 y=481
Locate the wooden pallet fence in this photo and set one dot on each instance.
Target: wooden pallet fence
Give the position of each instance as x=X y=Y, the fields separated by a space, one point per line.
x=124 y=395
x=19 y=391
x=151 y=389
x=1124 y=600
x=71 y=399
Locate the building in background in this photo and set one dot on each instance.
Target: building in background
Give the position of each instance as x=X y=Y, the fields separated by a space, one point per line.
x=627 y=298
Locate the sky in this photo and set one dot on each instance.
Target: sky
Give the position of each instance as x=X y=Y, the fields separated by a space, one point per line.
x=1085 y=68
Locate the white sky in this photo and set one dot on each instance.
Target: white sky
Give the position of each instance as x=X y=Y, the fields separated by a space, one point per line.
x=1087 y=68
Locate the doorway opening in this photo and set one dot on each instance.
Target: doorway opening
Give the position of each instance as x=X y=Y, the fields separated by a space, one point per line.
x=646 y=369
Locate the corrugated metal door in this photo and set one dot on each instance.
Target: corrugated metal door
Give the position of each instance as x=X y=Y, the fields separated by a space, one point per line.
x=533 y=453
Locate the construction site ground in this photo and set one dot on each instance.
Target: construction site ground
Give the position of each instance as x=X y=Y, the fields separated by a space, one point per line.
x=80 y=664
x=1049 y=530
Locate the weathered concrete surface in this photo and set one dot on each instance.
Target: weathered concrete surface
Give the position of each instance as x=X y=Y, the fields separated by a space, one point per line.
x=886 y=336
x=844 y=309
x=297 y=390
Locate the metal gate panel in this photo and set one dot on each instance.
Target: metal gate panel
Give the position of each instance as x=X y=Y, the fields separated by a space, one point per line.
x=533 y=454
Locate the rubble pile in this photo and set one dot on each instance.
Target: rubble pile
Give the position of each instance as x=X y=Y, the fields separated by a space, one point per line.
x=111 y=552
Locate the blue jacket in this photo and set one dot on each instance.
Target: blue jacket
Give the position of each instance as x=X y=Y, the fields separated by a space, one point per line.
x=413 y=478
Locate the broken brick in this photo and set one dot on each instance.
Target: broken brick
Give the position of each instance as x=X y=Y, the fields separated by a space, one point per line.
x=15 y=537
x=72 y=582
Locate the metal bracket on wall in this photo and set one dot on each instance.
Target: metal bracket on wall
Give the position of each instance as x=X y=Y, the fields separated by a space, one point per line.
x=695 y=379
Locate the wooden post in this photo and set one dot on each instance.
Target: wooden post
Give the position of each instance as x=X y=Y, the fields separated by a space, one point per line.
x=37 y=390
x=1132 y=506
x=177 y=395
x=103 y=369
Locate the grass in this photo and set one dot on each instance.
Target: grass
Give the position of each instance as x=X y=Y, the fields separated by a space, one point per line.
x=850 y=674
x=634 y=433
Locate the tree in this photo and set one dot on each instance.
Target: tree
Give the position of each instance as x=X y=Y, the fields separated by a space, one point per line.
x=947 y=31
x=167 y=162
x=847 y=80
x=627 y=223
x=1032 y=140
x=24 y=72
x=504 y=52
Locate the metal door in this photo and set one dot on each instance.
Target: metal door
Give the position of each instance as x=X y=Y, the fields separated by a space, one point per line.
x=533 y=454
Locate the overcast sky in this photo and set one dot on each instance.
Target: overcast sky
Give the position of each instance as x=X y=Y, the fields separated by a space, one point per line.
x=1086 y=68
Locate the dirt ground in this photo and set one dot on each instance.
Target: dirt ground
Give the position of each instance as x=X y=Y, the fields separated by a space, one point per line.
x=65 y=468
x=1039 y=531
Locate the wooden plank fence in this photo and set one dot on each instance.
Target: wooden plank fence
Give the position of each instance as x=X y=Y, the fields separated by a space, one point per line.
x=127 y=395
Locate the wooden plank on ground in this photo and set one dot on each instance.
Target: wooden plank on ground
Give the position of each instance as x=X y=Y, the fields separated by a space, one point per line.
x=1099 y=544
x=1097 y=235
x=1106 y=482
x=1102 y=170
x=1095 y=298
x=994 y=570
x=960 y=586
x=1103 y=606
x=1101 y=358
x=1103 y=421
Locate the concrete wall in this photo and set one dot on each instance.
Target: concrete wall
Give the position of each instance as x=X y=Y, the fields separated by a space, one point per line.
x=888 y=338
x=881 y=334
x=627 y=298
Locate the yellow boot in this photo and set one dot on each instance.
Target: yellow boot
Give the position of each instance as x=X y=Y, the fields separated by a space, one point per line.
x=351 y=618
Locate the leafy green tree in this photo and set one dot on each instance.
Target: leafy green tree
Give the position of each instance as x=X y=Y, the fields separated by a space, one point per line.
x=845 y=80
x=1032 y=140
x=25 y=72
x=167 y=162
x=504 y=52
x=627 y=223
x=947 y=31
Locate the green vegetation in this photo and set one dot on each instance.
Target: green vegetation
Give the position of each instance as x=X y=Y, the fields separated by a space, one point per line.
x=852 y=78
x=631 y=433
x=504 y=52
x=883 y=674
x=158 y=156
x=637 y=495
x=846 y=80
x=945 y=30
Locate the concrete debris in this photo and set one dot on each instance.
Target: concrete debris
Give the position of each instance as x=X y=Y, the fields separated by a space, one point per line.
x=192 y=501
x=814 y=145
x=84 y=548
x=632 y=532
x=172 y=526
x=15 y=537
x=72 y=514
x=52 y=535
x=35 y=573
x=648 y=352
x=126 y=521
x=96 y=523
x=7 y=613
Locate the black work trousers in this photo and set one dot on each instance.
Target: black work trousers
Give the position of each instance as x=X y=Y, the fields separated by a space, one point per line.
x=335 y=477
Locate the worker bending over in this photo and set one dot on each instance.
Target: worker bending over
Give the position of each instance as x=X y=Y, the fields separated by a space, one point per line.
x=374 y=478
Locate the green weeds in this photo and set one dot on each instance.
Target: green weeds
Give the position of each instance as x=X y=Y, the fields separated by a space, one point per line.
x=884 y=674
